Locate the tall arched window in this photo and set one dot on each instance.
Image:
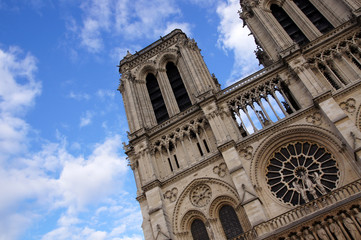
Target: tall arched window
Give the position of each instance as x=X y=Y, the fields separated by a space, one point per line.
x=156 y=98
x=321 y=23
x=178 y=87
x=198 y=230
x=288 y=25
x=230 y=223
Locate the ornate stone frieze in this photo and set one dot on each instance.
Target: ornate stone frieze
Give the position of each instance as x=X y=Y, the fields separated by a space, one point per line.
x=200 y=195
x=171 y=195
x=178 y=134
x=348 y=105
x=315 y=118
x=220 y=170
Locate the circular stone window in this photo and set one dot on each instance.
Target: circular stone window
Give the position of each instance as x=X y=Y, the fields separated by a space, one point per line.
x=299 y=172
x=201 y=195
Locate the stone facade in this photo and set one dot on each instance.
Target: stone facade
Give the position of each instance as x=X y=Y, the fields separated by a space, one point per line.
x=280 y=150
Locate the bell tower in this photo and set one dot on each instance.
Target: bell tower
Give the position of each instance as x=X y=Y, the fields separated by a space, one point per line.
x=277 y=155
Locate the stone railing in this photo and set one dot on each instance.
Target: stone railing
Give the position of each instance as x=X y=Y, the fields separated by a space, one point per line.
x=339 y=196
x=251 y=78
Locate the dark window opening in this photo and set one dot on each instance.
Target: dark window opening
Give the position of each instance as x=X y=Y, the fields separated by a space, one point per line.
x=230 y=223
x=206 y=145
x=288 y=25
x=176 y=161
x=198 y=230
x=179 y=90
x=170 y=165
x=200 y=149
x=289 y=96
x=156 y=98
x=312 y=13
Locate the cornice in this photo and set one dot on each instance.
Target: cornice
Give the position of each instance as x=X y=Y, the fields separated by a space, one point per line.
x=130 y=61
x=348 y=89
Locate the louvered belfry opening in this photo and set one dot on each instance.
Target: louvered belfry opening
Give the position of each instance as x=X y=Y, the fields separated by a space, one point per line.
x=312 y=13
x=156 y=98
x=230 y=223
x=198 y=230
x=288 y=25
x=178 y=87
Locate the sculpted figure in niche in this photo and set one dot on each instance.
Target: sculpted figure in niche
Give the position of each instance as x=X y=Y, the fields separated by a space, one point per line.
x=319 y=185
x=321 y=233
x=308 y=235
x=336 y=230
x=301 y=191
x=357 y=215
x=351 y=227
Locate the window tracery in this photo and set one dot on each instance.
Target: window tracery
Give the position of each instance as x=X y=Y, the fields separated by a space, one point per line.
x=301 y=171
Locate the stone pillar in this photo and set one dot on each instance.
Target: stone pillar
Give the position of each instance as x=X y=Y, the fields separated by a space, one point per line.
x=249 y=199
x=159 y=221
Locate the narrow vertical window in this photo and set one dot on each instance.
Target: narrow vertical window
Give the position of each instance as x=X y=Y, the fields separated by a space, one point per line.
x=320 y=22
x=170 y=165
x=198 y=230
x=230 y=223
x=206 y=145
x=156 y=99
x=288 y=25
x=200 y=149
x=176 y=161
x=179 y=90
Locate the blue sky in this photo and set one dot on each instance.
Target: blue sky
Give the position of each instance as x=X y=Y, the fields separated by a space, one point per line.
x=63 y=173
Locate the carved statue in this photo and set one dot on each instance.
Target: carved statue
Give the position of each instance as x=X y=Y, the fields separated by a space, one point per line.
x=351 y=226
x=357 y=215
x=321 y=233
x=336 y=230
x=308 y=235
x=310 y=186
x=319 y=185
x=301 y=191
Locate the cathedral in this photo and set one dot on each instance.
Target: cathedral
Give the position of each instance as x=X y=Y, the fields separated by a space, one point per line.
x=277 y=155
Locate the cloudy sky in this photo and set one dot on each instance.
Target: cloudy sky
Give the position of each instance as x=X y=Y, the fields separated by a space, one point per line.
x=63 y=173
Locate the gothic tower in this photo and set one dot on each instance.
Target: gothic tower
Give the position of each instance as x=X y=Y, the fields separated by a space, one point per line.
x=276 y=155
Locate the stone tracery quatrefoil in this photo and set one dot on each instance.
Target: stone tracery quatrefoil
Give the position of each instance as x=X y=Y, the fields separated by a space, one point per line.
x=299 y=172
x=200 y=195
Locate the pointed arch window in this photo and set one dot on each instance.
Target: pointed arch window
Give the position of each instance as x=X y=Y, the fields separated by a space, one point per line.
x=230 y=223
x=312 y=13
x=156 y=98
x=289 y=25
x=179 y=90
x=198 y=230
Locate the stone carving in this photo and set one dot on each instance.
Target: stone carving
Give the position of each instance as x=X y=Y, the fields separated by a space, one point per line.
x=220 y=170
x=201 y=195
x=171 y=194
x=247 y=152
x=351 y=226
x=336 y=230
x=247 y=6
x=349 y=105
x=290 y=170
x=321 y=233
x=315 y=118
x=308 y=235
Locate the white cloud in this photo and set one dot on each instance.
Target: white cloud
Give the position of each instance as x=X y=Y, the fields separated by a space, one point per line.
x=235 y=38
x=185 y=27
x=79 y=96
x=18 y=90
x=86 y=119
x=105 y=93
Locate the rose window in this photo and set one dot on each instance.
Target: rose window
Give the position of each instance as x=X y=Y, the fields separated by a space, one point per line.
x=201 y=195
x=301 y=171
